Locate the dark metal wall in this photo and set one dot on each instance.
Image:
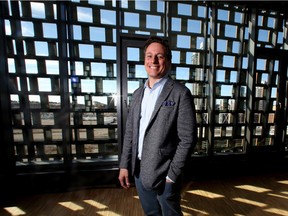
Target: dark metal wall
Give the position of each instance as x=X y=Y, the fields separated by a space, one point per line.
x=77 y=137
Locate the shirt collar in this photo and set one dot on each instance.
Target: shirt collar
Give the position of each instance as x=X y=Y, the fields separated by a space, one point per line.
x=159 y=82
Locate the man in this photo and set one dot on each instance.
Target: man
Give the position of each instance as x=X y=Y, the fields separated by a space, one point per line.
x=160 y=134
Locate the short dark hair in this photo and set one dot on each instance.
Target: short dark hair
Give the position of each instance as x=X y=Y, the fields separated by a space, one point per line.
x=164 y=42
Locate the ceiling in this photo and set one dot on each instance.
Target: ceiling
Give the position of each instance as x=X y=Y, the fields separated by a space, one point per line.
x=280 y=6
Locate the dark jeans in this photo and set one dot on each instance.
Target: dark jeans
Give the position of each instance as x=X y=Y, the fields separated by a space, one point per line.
x=165 y=201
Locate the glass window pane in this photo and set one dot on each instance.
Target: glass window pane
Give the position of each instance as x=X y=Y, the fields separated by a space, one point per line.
x=108 y=17
x=153 y=22
x=50 y=30
x=84 y=14
x=88 y=86
x=109 y=52
x=109 y=86
x=27 y=29
x=41 y=48
x=44 y=84
x=131 y=19
x=86 y=51
x=98 y=69
x=38 y=10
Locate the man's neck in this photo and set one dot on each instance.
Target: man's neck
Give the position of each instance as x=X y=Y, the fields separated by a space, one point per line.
x=152 y=81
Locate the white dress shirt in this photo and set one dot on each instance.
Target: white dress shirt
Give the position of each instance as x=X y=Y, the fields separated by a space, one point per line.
x=147 y=107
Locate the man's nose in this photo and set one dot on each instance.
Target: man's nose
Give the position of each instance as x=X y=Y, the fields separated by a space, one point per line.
x=155 y=59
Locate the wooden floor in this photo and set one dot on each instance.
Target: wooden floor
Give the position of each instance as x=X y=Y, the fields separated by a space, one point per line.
x=253 y=195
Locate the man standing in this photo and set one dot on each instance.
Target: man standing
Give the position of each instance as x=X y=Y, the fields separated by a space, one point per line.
x=160 y=135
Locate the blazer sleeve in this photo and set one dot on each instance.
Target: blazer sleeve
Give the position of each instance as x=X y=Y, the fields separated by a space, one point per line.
x=187 y=134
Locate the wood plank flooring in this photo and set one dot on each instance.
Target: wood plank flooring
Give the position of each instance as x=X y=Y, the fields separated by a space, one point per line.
x=254 y=195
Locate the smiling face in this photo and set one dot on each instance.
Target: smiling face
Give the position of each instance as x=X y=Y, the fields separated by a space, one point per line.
x=156 y=62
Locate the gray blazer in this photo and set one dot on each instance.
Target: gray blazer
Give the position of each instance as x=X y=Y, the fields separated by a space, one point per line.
x=170 y=135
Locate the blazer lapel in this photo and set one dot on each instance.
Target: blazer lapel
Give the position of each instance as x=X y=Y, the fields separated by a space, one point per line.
x=138 y=103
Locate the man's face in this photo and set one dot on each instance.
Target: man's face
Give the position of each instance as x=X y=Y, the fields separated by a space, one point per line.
x=156 y=63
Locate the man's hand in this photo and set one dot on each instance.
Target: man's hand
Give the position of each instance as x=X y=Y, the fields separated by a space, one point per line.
x=124 y=178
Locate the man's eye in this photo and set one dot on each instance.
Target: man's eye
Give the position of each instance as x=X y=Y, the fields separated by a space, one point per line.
x=159 y=56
